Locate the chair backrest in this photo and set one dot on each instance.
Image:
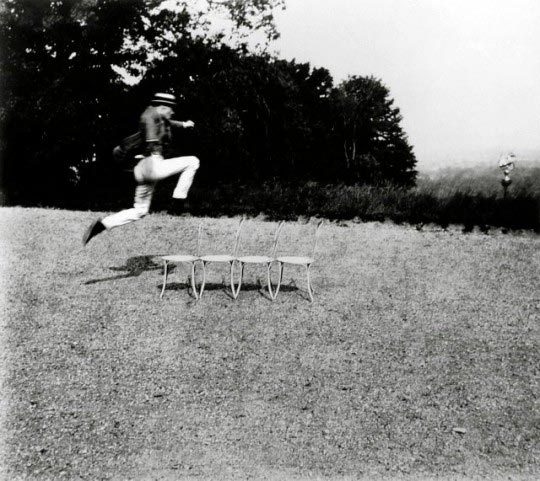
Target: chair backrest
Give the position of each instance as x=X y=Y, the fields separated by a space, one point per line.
x=199 y=230
x=276 y=238
x=316 y=240
x=216 y=238
x=313 y=246
x=237 y=238
x=258 y=238
x=191 y=245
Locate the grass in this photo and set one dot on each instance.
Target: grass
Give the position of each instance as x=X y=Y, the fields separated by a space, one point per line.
x=418 y=360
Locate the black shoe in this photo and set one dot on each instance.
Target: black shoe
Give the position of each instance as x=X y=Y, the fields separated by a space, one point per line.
x=93 y=230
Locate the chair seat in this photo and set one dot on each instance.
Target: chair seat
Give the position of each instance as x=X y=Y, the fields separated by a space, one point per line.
x=180 y=258
x=217 y=258
x=299 y=260
x=255 y=259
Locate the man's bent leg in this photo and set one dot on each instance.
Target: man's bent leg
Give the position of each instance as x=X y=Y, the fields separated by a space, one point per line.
x=141 y=206
x=185 y=166
x=186 y=179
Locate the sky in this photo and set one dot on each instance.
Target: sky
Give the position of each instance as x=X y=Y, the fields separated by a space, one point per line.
x=464 y=73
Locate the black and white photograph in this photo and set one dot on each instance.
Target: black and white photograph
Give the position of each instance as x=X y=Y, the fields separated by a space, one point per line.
x=270 y=240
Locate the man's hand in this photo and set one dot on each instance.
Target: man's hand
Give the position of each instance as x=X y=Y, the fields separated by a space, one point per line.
x=188 y=124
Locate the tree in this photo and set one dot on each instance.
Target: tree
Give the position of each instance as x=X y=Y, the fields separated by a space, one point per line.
x=65 y=103
x=58 y=86
x=373 y=145
x=257 y=117
x=63 y=100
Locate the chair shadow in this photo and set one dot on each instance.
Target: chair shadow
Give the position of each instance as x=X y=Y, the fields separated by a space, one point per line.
x=216 y=286
x=292 y=287
x=134 y=267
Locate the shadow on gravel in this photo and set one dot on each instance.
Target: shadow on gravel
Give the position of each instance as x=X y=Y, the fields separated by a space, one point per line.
x=134 y=267
x=216 y=286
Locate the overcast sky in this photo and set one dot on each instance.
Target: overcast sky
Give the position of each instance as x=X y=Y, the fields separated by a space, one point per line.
x=465 y=73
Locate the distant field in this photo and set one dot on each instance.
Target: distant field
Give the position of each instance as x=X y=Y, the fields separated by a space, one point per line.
x=482 y=180
x=418 y=360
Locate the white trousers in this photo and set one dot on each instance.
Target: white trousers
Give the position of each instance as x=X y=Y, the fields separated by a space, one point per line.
x=147 y=173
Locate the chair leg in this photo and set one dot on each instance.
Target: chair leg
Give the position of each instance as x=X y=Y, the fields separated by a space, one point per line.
x=193 y=283
x=164 y=279
x=310 y=289
x=203 y=281
x=273 y=293
x=236 y=289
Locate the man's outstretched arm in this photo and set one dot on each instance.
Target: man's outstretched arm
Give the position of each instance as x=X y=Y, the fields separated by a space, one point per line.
x=186 y=124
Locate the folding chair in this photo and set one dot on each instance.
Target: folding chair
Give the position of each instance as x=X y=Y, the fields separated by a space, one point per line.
x=261 y=259
x=183 y=258
x=223 y=258
x=305 y=261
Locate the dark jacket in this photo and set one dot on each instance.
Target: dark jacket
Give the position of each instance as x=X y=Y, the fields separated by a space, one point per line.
x=153 y=137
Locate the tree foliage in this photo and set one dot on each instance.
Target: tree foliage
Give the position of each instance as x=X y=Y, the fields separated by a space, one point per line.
x=65 y=103
x=374 y=145
x=58 y=86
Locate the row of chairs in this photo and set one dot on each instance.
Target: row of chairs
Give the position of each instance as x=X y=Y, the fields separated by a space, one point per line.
x=237 y=264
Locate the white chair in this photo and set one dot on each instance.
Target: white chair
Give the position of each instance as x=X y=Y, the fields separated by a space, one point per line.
x=305 y=261
x=183 y=259
x=223 y=258
x=262 y=260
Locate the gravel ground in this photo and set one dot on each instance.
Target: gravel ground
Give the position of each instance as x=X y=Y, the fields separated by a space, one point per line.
x=418 y=360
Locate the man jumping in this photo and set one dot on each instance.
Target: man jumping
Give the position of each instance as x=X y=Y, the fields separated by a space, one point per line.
x=153 y=136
